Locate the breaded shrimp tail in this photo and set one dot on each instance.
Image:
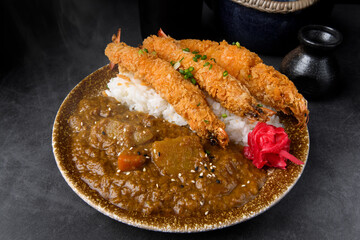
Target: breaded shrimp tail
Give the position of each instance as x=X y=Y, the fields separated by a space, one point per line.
x=276 y=90
x=263 y=82
x=213 y=79
x=187 y=99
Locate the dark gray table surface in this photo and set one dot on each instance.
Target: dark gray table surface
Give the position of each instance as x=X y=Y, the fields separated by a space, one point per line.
x=51 y=53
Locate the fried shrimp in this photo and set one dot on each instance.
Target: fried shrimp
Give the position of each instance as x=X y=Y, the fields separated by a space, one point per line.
x=187 y=99
x=276 y=90
x=212 y=78
x=263 y=82
x=236 y=60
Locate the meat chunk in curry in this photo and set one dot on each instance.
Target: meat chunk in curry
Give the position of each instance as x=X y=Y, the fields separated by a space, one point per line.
x=174 y=155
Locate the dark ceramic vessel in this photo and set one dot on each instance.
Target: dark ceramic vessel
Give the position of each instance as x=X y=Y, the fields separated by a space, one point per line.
x=312 y=66
x=264 y=32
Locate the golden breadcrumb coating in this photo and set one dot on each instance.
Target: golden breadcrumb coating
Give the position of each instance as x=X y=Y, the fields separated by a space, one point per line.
x=212 y=78
x=263 y=82
x=187 y=99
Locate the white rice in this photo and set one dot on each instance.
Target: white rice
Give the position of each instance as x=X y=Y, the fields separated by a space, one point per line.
x=139 y=97
x=142 y=98
x=237 y=127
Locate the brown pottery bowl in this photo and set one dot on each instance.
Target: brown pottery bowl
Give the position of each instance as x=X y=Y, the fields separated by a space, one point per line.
x=276 y=187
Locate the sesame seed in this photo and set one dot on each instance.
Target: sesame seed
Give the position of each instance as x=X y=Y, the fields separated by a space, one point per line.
x=109 y=109
x=193 y=181
x=127 y=173
x=206 y=213
x=205 y=166
x=114 y=137
x=248 y=182
x=243 y=185
x=173 y=180
x=145 y=149
x=201 y=163
x=147 y=157
x=179 y=174
x=157 y=185
x=158 y=130
x=82 y=124
x=192 y=170
x=209 y=175
x=201 y=174
x=131 y=148
x=127 y=116
x=144 y=169
x=118 y=170
x=213 y=175
x=201 y=203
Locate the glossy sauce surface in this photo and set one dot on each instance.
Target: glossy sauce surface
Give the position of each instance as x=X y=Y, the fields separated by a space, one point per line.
x=182 y=173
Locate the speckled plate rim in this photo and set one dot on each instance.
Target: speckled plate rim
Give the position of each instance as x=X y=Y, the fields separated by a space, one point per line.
x=272 y=192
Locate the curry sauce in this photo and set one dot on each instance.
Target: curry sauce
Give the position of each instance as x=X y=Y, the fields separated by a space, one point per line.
x=181 y=173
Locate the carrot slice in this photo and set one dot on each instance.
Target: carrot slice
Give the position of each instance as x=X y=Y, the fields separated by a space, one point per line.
x=128 y=162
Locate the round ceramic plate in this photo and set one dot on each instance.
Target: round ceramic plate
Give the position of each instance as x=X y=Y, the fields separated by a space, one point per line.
x=276 y=187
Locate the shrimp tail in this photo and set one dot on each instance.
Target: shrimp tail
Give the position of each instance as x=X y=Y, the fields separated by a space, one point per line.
x=161 y=33
x=115 y=39
x=301 y=112
x=222 y=137
x=267 y=111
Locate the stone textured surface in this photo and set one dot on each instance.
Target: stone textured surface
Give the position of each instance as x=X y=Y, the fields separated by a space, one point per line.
x=50 y=47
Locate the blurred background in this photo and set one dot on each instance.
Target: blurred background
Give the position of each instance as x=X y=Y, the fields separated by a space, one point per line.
x=41 y=29
x=80 y=25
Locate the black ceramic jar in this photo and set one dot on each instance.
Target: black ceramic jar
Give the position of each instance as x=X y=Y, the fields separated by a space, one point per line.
x=312 y=66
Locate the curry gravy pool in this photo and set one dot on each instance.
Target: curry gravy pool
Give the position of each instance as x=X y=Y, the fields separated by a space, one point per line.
x=181 y=173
